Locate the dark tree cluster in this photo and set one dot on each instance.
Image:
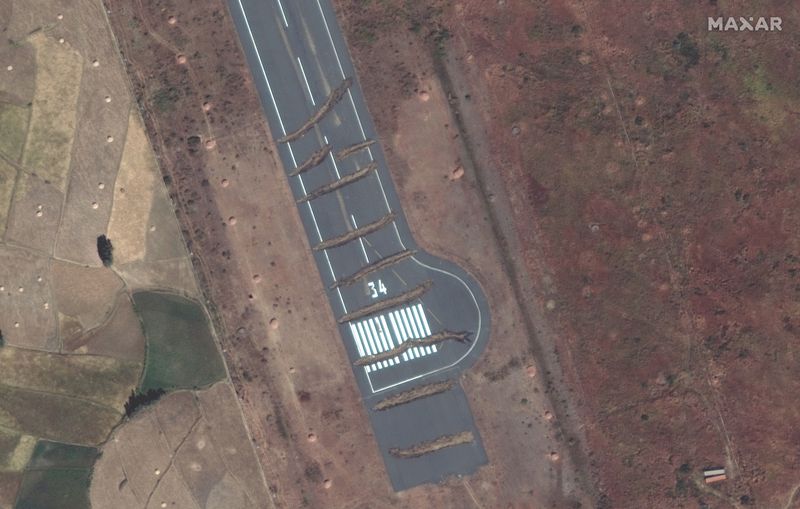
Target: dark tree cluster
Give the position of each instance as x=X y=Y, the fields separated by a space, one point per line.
x=105 y=250
x=138 y=400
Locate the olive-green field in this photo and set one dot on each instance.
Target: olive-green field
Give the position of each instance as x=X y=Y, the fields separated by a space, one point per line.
x=181 y=353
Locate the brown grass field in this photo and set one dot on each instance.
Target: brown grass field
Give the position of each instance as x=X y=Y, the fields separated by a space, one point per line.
x=201 y=459
x=622 y=194
x=27 y=315
x=48 y=147
x=133 y=195
x=638 y=173
x=120 y=337
x=92 y=305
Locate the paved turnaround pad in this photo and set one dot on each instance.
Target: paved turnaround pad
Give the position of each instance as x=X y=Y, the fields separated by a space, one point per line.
x=384 y=291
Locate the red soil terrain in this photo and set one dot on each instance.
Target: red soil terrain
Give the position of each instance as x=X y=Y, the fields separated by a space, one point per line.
x=641 y=174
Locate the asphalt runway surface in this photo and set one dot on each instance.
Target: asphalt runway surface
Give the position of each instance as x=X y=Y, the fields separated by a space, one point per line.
x=385 y=292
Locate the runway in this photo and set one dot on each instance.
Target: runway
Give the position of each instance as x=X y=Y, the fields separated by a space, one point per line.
x=387 y=294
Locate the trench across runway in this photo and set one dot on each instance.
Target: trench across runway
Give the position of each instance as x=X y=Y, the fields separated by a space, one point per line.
x=384 y=291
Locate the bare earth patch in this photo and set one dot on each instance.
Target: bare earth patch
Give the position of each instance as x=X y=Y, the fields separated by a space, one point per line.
x=119 y=337
x=35 y=213
x=26 y=288
x=133 y=196
x=85 y=295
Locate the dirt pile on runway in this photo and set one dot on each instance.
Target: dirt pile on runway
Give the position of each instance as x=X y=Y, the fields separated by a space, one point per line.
x=433 y=339
x=423 y=448
x=391 y=302
x=334 y=97
x=423 y=391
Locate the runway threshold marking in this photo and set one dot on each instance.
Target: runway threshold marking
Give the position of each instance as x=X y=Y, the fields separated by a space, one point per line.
x=360 y=239
x=374 y=335
x=383 y=192
x=398 y=332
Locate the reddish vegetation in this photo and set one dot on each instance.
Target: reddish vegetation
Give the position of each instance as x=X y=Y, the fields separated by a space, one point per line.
x=649 y=167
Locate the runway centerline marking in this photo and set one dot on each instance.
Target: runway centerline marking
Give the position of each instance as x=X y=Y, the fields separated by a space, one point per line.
x=288 y=145
x=308 y=87
x=360 y=239
x=395 y=225
x=333 y=159
x=283 y=14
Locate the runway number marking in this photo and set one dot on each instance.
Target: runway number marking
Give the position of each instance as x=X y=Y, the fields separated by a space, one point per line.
x=375 y=290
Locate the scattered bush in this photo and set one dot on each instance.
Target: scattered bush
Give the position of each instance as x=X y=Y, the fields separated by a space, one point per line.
x=138 y=400
x=105 y=250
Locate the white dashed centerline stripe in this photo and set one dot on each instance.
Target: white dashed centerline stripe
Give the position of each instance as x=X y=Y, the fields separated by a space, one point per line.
x=308 y=87
x=283 y=132
x=360 y=239
x=335 y=166
x=283 y=14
